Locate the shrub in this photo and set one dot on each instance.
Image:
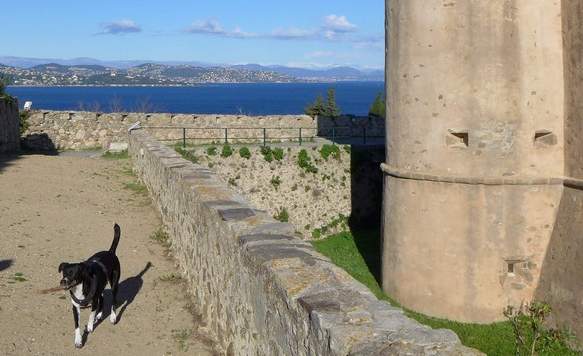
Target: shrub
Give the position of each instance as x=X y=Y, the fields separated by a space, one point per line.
x=227 y=151
x=245 y=153
x=267 y=153
x=276 y=182
x=532 y=336
x=211 y=151
x=24 y=124
x=330 y=150
x=282 y=215
x=278 y=153
x=305 y=162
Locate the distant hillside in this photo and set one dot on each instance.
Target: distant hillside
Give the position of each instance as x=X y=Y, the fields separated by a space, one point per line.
x=54 y=74
x=338 y=73
x=327 y=74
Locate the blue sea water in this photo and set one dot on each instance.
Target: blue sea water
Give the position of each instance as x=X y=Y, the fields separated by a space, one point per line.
x=251 y=99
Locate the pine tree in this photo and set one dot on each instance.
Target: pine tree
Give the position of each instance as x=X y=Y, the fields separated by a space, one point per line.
x=331 y=110
x=378 y=107
x=316 y=108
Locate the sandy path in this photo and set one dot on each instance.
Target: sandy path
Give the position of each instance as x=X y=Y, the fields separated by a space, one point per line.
x=55 y=209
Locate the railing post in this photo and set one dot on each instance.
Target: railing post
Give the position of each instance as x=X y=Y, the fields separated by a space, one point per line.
x=300 y=136
x=364 y=135
x=226 y=136
x=184 y=138
x=264 y=137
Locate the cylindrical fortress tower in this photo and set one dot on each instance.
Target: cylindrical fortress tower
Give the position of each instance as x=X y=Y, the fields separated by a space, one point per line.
x=475 y=96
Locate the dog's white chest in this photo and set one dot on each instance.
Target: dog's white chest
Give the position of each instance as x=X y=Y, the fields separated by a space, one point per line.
x=78 y=293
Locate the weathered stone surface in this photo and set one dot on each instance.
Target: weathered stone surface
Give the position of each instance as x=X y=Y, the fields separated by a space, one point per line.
x=264 y=292
x=116 y=147
x=77 y=129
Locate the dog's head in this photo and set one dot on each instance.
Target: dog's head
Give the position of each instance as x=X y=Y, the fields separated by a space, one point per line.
x=73 y=274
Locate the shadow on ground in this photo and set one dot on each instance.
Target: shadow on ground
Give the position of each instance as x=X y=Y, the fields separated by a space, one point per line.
x=5 y=264
x=129 y=289
x=35 y=144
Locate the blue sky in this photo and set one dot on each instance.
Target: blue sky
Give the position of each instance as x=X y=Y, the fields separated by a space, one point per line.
x=298 y=33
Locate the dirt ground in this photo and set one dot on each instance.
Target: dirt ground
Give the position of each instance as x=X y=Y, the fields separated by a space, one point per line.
x=57 y=209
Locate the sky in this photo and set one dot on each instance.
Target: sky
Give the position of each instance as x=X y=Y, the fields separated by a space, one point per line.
x=296 y=33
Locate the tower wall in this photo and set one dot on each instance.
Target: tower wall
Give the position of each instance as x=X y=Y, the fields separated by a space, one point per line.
x=476 y=103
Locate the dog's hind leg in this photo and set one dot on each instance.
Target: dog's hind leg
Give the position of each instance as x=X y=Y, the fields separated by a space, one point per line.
x=114 y=285
x=78 y=335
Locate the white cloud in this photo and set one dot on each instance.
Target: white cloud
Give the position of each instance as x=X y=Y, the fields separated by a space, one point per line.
x=333 y=28
x=213 y=27
x=320 y=54
x=120 y=27
x=338 y=24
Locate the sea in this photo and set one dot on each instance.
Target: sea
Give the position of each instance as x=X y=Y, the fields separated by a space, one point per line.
x=242 y=99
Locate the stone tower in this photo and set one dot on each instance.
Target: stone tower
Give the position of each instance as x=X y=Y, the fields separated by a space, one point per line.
x=484 y=147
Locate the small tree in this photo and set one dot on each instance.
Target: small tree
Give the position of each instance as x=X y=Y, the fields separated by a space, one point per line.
x=316 y=108
x=378 y=107
x=331 y=110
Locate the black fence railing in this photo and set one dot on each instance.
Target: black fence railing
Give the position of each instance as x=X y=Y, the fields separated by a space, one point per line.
x=265 y=135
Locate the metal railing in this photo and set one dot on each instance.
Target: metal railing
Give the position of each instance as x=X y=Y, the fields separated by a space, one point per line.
x=228 y=135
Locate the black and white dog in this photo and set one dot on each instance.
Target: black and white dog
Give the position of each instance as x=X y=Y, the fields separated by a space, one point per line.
x=86 y=282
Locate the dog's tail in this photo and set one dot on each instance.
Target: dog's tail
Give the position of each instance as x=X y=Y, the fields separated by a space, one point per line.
x=116 y=235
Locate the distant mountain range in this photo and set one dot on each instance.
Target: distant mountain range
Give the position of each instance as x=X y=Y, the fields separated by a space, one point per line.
x=337 y=73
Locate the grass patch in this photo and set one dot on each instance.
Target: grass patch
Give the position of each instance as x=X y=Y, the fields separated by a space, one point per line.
x=171 y=278
x=358 y=253
x=211 y=151
x=282 y=215
x=187 y=154
x=136 y=187
x=116 y=155
x=161 y=237
x=18 y=277
x=330 y=150
x=181 y=337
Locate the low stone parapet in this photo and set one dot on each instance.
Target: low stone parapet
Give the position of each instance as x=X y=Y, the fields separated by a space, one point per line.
x=260 y=290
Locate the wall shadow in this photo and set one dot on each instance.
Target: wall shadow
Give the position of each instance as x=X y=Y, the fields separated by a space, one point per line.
x=29 y=145
x=352 y=130
x=367 y=201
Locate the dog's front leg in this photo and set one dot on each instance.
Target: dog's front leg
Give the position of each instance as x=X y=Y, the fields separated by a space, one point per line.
x=78 y=335
x=91 y=320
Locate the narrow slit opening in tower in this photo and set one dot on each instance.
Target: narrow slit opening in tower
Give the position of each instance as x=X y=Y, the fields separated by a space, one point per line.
x=458 y=138
x=511 y=267
x=545 y=137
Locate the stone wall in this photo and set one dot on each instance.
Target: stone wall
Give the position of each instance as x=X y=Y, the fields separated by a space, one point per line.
x=348 y=185
x=79 y=130
x=261 y=290
x=9 y=126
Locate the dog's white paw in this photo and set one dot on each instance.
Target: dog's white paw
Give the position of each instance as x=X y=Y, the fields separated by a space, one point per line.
x=99 y=315
x=90 y=327
x=112 y=317
x=78 y=338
